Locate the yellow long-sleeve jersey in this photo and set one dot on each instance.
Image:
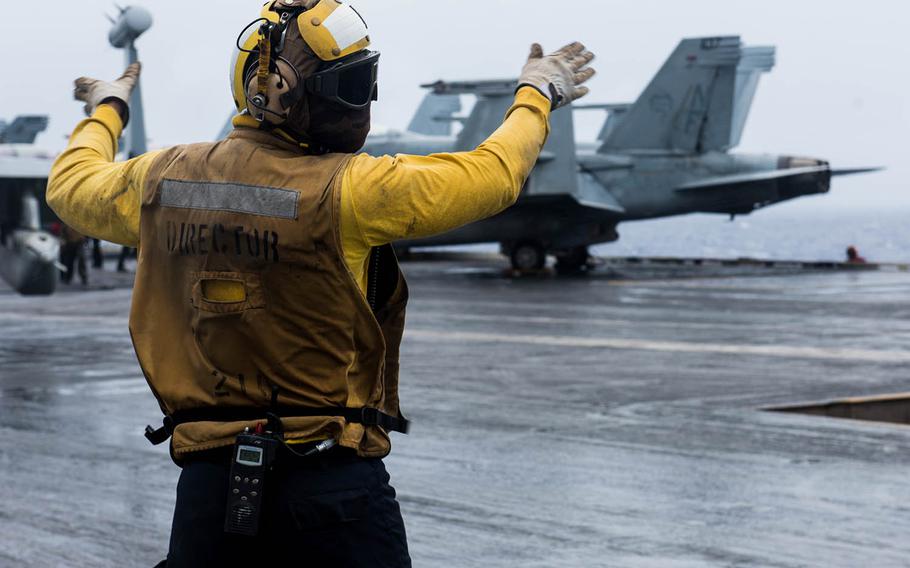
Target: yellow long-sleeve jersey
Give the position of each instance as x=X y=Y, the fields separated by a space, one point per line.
x=383 y=199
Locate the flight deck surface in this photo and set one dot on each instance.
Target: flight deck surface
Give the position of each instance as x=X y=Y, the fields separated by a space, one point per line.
x=608 y=420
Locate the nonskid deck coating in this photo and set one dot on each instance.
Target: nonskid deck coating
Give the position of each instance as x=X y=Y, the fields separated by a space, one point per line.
x=612 y=420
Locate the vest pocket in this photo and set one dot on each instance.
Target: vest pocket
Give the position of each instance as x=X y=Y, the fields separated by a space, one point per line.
x=226 y=341
x=227 y=292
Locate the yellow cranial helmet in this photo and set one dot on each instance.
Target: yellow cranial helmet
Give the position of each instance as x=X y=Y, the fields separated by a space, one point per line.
x=299 y=47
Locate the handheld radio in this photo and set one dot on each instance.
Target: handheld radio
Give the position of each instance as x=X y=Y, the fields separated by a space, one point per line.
x=253 y=457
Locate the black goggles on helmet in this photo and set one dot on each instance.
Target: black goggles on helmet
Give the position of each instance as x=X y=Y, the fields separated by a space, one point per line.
x=350 y=82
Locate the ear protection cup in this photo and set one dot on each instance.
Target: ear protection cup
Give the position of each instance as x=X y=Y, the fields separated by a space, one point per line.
x=275 y=105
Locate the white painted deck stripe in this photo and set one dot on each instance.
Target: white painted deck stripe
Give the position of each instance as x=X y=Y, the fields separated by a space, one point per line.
x=783 y=351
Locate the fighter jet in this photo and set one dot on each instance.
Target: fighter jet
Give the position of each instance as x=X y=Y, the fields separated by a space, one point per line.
x=28 y=254
x=666 y=154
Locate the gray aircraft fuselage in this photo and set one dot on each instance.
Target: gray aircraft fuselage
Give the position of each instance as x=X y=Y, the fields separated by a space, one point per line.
x=640 y=188
x=28 y=253
x=652 y=186
x=667 y=154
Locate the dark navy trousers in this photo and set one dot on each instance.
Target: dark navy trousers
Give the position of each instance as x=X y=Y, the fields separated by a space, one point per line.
x=336 y=510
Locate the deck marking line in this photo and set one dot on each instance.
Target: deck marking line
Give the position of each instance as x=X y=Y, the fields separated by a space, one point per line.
x=822 y=353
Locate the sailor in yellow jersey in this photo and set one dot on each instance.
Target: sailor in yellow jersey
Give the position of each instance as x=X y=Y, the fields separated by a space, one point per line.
x=268 y=299
x=420 y=196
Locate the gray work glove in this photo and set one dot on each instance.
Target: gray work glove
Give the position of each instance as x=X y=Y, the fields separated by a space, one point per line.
x=94 y=92
x=559 y=76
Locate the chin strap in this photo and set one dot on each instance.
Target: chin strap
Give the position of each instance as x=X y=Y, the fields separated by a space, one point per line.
x=284 y=135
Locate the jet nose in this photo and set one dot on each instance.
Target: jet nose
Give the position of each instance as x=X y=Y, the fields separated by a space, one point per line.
x=44 y=246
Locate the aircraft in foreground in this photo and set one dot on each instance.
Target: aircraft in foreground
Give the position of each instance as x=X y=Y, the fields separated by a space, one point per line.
x=28 y=254
x=667 y=154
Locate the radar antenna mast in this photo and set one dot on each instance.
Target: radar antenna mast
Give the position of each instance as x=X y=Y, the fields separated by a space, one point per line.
x=132 y=22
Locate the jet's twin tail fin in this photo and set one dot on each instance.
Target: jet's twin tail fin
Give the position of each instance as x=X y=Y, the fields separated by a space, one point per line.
x=435 y=115
x=557 y=169
x=689 y=105
x=493 y=100
x=23 y=130
x=755 y=61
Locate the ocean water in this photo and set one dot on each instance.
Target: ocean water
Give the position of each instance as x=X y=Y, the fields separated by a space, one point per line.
x=881 y=235
x=802 y=232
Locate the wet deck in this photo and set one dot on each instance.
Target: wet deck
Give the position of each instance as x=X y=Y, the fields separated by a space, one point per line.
x=612 y=420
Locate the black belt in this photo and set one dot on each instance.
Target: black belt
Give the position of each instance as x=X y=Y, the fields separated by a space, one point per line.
x=365 y=416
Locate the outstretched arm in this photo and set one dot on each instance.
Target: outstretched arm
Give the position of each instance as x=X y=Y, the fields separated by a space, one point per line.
x=408 y=197
x=87 y=189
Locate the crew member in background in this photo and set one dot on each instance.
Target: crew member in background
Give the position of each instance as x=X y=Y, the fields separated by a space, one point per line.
x=125 y=253
x=97 y=257
x=266 y=281
x=72 y=254
x=853 y=256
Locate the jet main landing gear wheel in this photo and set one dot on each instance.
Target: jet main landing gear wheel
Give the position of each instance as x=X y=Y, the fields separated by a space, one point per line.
x=528 y=256
x=573 y=261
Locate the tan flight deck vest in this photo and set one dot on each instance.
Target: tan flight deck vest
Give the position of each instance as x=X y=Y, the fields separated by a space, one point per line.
x=253 y=212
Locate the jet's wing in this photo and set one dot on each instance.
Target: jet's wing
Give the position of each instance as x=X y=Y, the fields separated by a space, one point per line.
x=24 y=168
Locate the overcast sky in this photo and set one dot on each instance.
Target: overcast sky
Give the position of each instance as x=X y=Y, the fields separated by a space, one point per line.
x=839 y=91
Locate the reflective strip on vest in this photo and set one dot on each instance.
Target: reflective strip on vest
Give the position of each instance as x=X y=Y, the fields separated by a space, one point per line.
x=236 y=198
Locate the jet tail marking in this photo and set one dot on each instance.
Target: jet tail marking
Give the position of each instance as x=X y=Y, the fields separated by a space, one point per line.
x=690 y=105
